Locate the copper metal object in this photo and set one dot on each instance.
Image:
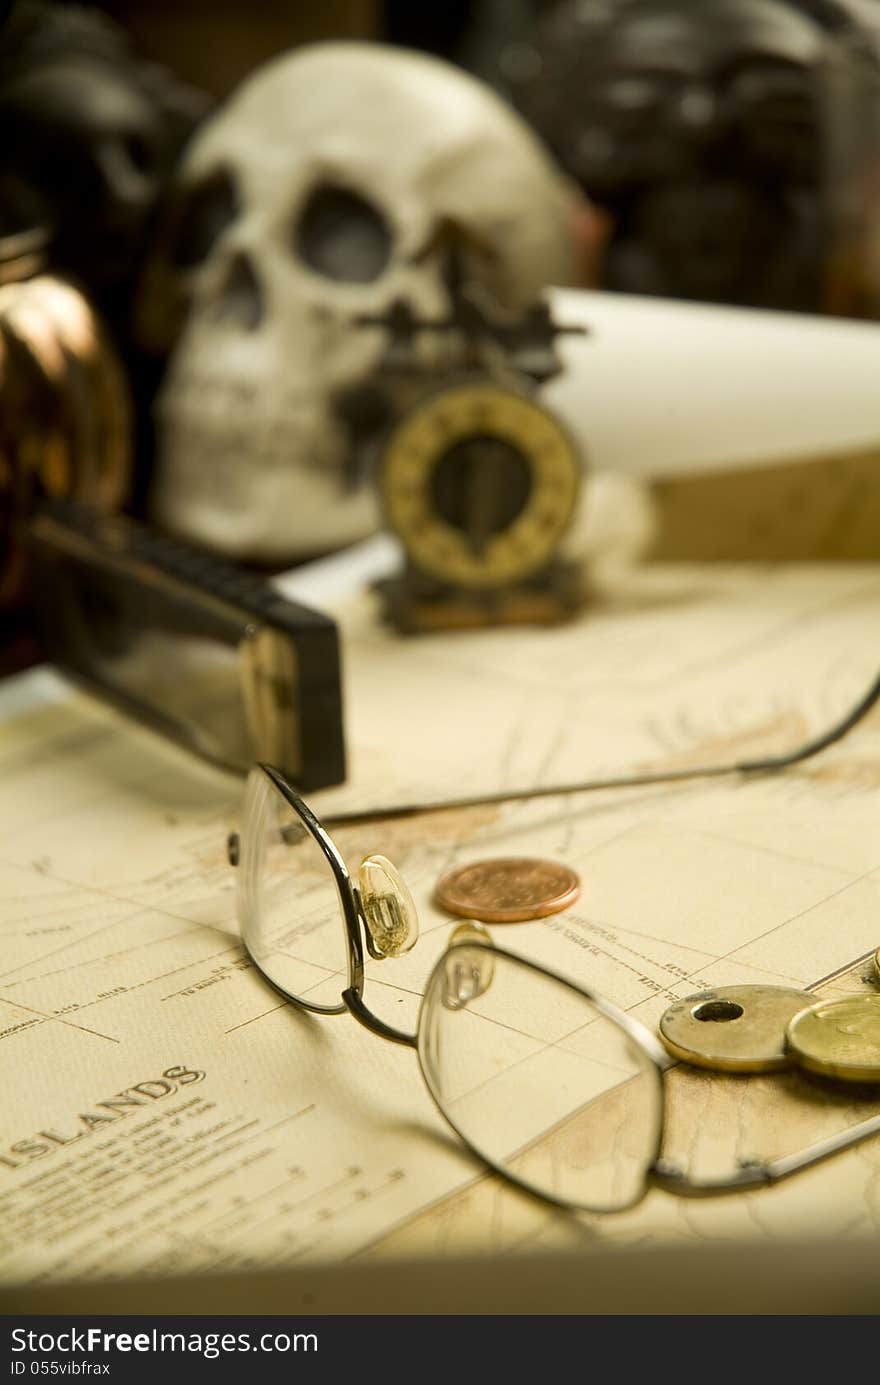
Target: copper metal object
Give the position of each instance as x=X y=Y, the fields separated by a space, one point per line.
x=65 y=430
x=508 y=890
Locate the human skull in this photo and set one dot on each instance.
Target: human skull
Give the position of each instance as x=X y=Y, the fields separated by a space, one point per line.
x=318 y=195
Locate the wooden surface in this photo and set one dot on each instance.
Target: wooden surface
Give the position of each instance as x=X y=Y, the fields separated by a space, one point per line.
x=824 y=509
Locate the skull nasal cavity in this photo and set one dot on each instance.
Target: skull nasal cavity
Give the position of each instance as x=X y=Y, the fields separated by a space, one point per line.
x=241 y=298
x=342 y=236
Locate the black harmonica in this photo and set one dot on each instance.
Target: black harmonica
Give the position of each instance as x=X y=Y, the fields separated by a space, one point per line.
x=208 y=654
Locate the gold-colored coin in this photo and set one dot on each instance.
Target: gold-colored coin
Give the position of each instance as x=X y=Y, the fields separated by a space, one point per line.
x=508 y=889
x=733 y=1028
x=839 y=1038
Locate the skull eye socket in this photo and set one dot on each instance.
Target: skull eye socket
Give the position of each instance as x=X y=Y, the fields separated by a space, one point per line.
x=342 y=236
x=204 y=213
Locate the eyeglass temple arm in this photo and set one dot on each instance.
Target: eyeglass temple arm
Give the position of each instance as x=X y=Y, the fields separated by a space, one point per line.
x=758 y=1173
x=631 y=781
x=810 y=748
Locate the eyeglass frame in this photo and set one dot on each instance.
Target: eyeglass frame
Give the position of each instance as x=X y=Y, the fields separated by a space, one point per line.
x=659 y=1173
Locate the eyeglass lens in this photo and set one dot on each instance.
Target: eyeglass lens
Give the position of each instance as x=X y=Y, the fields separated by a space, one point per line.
x=539 y=1081
x=288 y=903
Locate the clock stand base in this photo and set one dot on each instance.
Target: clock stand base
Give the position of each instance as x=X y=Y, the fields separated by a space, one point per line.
x=416 y=609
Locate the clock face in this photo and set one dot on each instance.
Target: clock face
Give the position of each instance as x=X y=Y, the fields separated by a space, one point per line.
x=479 y=483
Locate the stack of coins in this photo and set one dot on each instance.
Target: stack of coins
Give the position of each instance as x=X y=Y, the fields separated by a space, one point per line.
x=763 y=1028
x=65 y=413
x=733 y=1028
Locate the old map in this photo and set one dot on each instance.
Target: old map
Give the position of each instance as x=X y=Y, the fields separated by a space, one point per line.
x=162 y=1109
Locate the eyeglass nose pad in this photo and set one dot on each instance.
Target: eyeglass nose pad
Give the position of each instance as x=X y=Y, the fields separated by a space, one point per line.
x=388 y=907
x=468 y=971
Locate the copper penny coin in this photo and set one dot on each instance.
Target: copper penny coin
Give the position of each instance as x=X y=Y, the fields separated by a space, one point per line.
x=510 y=889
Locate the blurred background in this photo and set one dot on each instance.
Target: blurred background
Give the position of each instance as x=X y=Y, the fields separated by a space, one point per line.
x=722 y=152
x=732 y=143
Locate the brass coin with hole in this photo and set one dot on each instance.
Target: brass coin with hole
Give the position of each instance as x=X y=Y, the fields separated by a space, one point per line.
x=733 y=1028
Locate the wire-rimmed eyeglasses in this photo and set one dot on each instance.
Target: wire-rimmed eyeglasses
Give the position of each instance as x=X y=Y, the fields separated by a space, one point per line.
x=552 y=1086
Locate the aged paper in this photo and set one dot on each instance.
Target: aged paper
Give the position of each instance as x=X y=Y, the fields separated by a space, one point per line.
x=674 y=667
x=661 y=388
x=162 y=1109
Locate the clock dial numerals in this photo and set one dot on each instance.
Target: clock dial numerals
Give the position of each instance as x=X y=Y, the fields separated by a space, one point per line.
x=480 y=484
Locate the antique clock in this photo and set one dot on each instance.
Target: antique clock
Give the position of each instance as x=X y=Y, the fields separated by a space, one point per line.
x=477 y=479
